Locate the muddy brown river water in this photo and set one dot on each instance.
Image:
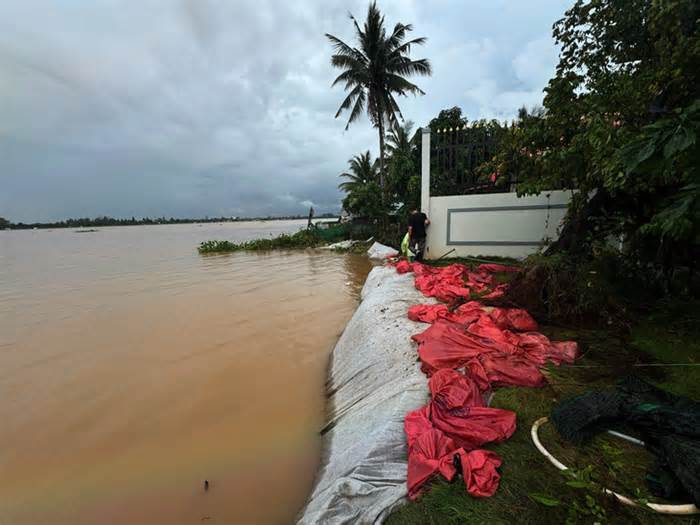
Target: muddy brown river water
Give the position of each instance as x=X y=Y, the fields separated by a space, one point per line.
x=132 y=369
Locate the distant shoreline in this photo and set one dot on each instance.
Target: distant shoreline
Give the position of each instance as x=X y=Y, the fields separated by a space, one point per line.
x=108 y=221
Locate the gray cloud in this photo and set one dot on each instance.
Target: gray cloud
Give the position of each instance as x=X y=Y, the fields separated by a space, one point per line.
x=208 y=107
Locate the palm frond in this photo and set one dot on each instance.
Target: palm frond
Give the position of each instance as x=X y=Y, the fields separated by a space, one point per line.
x=406 y=66
x=340 y=47
x=357 y=110
x=398 y=35
x=405 y=48
x=363 y=170
x=349 y=76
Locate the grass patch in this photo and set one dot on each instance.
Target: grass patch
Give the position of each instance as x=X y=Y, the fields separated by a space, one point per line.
x=672 y=335
x=532 y=490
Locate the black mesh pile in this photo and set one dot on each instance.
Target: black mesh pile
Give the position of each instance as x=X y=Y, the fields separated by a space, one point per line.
x=670 y=426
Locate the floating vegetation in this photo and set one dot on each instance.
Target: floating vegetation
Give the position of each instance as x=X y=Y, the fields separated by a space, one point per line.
x=302 y=239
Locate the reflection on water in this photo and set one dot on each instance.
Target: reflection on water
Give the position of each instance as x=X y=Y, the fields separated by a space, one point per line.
x=132 y=369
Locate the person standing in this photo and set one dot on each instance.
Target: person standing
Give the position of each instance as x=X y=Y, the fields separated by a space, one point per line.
x=417 y=223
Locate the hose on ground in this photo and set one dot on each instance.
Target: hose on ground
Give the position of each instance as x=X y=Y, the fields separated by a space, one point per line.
x=684 y=509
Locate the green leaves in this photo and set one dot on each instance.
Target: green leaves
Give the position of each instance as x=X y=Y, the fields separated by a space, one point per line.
x=361 y=185
x=679 y=216
x=622 y=118
x=665 y=156
x=543 y=499
x=682 y=139
x=636 y=152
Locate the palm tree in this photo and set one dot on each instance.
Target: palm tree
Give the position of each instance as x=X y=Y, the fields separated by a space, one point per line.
x=362 y=171
x=399 y=140
x=403 y=175
x=375 y=72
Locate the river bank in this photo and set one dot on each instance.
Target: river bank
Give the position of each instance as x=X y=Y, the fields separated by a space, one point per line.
x=373 y=380
x=365 y=458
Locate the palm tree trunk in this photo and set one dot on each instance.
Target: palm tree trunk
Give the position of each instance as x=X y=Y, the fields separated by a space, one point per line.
x=382 y=180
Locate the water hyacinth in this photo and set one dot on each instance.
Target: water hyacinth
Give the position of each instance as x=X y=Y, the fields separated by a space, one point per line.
x=302 y=239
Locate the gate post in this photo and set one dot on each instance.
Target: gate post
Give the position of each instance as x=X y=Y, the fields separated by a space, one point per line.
x=425 y=171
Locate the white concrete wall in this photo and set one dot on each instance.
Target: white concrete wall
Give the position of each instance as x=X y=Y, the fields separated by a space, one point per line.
x=494 y=224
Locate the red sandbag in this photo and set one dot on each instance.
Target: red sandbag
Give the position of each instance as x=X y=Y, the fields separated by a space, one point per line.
x=515 y=319
x=454 y=390
x=428 y=313
x=446 y=284
x=479 y=471
x=471 y=307
x=457 y=409
x=503 y=341
x=423 y=269
x=504 y=370
x=446 y=290
x=454 y=423
x=454 y=282
x=415 y=423
x=432 y=453
x=493 y=268
x=567 y=351
x=466 y=314
x=479 y=282
x=477 y=372
x=495 y=347
x=404 y=266
x=447 y=345
x=539 y=349
x=473 y=427
x=498 y=291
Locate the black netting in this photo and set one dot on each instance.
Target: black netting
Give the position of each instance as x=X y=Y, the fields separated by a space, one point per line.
x=669 y=424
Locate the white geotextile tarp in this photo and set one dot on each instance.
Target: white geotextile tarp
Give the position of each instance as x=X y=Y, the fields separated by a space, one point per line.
x=342 y=245
x=374 y=380
x=379 y=251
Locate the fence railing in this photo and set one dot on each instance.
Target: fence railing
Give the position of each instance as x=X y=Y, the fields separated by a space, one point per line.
x=455 y=156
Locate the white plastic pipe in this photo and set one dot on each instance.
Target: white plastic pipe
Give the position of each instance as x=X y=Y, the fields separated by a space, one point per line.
x=684 y=509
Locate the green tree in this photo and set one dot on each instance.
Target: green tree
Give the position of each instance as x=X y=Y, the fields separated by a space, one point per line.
x=448 y=118
x=363 y=193
x=620 y=121
x=621 y=124
x=363 y=170
x=4 y=223
x=375 y=72
x=403 y=173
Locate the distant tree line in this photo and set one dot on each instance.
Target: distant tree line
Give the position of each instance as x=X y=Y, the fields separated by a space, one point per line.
x=133 y=221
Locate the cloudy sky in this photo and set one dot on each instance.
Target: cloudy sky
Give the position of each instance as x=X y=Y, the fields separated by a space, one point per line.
x=189 y=108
